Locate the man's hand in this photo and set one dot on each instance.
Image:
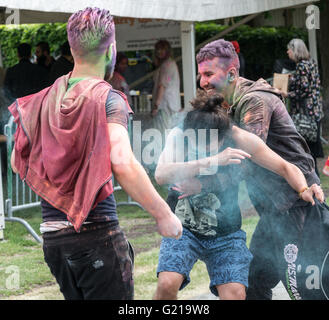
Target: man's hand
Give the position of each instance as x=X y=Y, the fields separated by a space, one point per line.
x=315 y=190
x=188 y=187
x=169 y=226
x=229 y=156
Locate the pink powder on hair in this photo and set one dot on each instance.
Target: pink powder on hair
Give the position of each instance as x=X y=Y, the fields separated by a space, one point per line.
x=91 y=30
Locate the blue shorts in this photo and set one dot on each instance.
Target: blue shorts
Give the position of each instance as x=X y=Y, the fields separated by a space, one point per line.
x=227 y=257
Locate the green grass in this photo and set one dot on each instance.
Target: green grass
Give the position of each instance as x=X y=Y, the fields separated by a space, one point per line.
x=146 y=263
x=21 y=251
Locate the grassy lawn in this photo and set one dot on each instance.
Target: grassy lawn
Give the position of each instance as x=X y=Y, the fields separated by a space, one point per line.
x=22 y=256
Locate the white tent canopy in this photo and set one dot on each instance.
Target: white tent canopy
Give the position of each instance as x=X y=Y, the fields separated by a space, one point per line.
x=181 y=10
x=185 y=11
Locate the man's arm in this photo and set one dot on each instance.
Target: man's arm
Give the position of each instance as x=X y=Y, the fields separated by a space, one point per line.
x=255 y=116
x=171 y=167
x=12 y=160
x=133 y=179
x=265 y=157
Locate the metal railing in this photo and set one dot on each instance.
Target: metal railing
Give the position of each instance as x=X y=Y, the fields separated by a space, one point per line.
x=142 y=102
x=24 y=197
x=2 y=211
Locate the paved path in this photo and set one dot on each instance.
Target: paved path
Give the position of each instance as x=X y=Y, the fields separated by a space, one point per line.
x=279 y=293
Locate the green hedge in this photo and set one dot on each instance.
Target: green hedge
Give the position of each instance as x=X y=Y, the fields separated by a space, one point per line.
x=260 y=46
x=54 y=33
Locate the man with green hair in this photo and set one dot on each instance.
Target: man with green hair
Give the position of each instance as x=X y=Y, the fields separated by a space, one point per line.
x=71 y=140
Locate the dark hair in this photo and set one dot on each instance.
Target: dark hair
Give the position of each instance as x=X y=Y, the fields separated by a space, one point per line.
x=163 y=44
x=65 y=49
x=208 y=113
x=44 y=46
x=24 y=50
x=222 y=49
x=120 y=56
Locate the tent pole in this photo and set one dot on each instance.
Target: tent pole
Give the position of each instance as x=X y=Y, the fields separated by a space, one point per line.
x=312 y=44
x=188 y=62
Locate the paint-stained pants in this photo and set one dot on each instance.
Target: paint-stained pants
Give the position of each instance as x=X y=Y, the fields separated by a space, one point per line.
x=291 y=247
x=263 y=271
x=96 y=263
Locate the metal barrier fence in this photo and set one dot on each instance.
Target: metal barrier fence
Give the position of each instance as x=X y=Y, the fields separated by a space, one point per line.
x=24 y=197
x=142 y=102
x=2 y=212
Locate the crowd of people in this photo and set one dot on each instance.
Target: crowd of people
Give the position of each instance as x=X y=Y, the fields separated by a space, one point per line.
x=68 y=149
x=26 y=77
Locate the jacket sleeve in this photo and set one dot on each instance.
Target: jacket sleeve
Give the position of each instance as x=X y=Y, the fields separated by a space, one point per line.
x=255 y=116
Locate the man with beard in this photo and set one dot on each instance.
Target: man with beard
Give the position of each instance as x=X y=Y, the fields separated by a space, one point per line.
x=71 y=140
x=257 y=107
x=44 y=59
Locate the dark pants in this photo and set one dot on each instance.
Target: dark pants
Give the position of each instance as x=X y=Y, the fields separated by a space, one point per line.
x=316 y=148
x=96 y=263
x=263 y=272
x=291 y=247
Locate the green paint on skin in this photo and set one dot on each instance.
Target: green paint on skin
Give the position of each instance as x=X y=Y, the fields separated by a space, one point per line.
x=110 y=54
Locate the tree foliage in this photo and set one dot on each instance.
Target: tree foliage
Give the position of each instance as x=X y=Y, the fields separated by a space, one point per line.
x=260 y=46
x=11 y=36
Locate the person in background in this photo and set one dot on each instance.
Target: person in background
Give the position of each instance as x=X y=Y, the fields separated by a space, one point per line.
x=4 y=117
x=241 y=58
x=42 y=52
x=166 y=101
x=304 y=91
x=25 y=77
x=63 y=65
x=2 y=76
x=118 y=81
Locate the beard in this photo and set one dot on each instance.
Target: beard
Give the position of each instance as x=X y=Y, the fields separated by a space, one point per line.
x=41 y=61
